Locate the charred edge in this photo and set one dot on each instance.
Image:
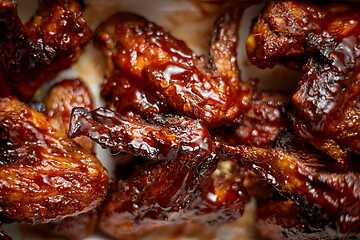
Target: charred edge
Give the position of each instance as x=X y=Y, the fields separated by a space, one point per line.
x=75 y=126
x=231 y=15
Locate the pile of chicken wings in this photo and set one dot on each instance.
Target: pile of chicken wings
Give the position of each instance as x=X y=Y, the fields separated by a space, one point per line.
x=202 y=142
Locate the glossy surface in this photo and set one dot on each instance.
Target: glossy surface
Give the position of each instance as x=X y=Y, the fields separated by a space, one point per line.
x=44 y=176
x=327 y=38
x=260 y=124
x=223 y=192
x=162 y=138
x=223 y=199
x=129 y=216
x=34 y=53
x=149 y=71
x=59 y=102
x=181 y=158
x=328 y=190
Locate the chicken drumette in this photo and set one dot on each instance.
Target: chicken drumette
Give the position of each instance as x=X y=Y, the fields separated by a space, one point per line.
x=328 y=191
x=149 y=71
x=324 y=41
x=44 y=176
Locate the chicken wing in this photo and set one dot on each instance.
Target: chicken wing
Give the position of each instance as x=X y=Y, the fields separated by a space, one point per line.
x=59 y=102
x=34 y=53
x=326 y=189
x=44 y=176
x=149 y=71
x=181 y=158
x=326 y=38
x=260 y=124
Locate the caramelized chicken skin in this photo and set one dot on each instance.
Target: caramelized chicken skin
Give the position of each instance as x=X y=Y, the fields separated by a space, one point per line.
x=327 y=37
x=34 y=53
x=162 y=138
x=260 y=124
x=223 y=199
x=59 y=102
x=326 y=190
x=149 y=71
x=44 y=176
x=181 y=157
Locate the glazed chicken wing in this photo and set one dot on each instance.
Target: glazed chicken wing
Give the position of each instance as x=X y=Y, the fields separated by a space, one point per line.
x=34 y=53
x=181 y=157
x=260 y=124
x=59 y=102
x=327 y=38
x=221 y=200
x=44 y=176
x=149 y=71
x=326 y=189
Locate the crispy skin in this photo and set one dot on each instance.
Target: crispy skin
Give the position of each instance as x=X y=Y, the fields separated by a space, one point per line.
x=162 y=138
x=59 y=102
x=181 y=157
x=326 y=189
x=260 y=124
x=34 y=53
x=327 y=37
x=221 y=201
x=279 y=35
x=44 y=176
x=150 y=72
x=326 y=107
x=284 y=29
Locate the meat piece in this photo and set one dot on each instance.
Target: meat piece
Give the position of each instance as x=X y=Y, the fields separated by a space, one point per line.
x=181 y=155
x=149 y=71
x=326 y=107
x=162 y=138
x=34 y=53
x=327 y=37
x=280 y=34
x=326 y=189
x=59 y=102
x=44 y=176
x=283 y=31
x=222 y=200
x=122 y=94
x=260 y=124
x=286 y=220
